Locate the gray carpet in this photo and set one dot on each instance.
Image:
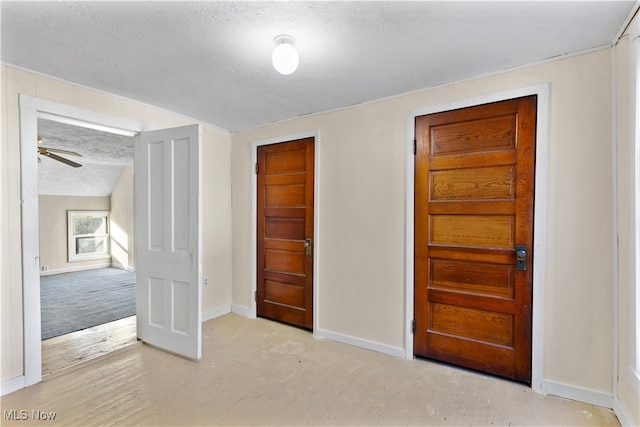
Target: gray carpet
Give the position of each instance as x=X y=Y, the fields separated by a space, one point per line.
x=74 y=301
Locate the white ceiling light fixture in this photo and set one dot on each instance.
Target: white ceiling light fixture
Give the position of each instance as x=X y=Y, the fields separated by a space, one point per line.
x=285 y=57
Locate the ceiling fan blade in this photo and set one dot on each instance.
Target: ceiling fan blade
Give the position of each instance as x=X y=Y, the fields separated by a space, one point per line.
x=58 y=150
x=61 y=159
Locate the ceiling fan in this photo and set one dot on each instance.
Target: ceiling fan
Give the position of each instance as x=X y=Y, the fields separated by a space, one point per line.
x=50 y=152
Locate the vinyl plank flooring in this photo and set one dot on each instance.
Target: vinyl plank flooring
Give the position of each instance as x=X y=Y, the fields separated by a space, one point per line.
x=257 y=372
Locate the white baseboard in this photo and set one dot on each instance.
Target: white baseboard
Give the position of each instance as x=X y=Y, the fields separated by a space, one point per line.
x=357 y=342
x=623 y=417
x=345 y=339
x=576 y=393
x=122 y=267
x=243 y=311
x=73 y=269
x=14 y=384
x=221 y=311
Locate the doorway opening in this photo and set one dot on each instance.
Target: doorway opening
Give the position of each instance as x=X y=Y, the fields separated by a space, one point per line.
x=35 y=115
x=87 y=283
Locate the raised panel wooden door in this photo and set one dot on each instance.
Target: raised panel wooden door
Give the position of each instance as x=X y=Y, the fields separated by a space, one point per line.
x=285 y=232
x=474 y=188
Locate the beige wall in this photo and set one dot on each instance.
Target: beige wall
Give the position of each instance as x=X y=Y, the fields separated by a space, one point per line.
x=216 y=206
x=53 y=230
x=362 y=209
x=53 y=226
x=362 y=169
x=626 y=393
x=122 y=249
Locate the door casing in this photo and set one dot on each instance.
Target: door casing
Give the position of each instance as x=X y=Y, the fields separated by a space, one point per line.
x=316 y=218
x=30 y=109
x=540 y=211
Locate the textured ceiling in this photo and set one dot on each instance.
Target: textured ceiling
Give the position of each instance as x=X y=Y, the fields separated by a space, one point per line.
x=104 y=155
x=211 y=60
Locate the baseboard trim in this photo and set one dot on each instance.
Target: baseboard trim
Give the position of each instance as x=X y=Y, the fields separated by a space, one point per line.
x=122 y=267
x=357 y=342
x=243 y=311
x=14 y=384
x=620 y=412
x=576 y=393
x=74 y=269
x=221 y=311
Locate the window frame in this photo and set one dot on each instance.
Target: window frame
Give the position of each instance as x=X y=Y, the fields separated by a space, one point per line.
x=73 y=256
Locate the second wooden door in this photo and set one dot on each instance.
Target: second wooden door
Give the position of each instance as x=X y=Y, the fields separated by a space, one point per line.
x=285 y=232
x=474 y=236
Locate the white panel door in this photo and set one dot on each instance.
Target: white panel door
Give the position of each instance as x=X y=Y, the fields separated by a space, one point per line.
x=168 y=226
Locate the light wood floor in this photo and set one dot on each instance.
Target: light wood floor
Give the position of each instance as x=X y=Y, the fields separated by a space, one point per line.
x=69 y=350
x=256 y=372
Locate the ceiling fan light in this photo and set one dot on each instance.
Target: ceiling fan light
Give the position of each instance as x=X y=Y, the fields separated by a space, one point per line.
x=285 y=57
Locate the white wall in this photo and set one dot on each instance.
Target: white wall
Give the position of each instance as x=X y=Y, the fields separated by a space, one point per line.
x=361 y=256
x=627 y=394
x=53 y=227
x=53 y=231
x=216 y=296
x=122 y=244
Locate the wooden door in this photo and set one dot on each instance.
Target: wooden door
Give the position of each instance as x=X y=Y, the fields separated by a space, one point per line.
x=168 y=226
x=285 y=232
x=474 y=188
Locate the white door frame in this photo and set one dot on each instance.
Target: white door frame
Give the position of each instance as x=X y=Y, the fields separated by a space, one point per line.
x=316 y=216
x=30 y=110
x=540 y=215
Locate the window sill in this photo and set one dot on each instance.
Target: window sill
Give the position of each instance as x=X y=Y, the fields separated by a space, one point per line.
x=90 y=257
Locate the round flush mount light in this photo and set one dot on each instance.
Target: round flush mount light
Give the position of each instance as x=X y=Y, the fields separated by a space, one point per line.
x=285 y=57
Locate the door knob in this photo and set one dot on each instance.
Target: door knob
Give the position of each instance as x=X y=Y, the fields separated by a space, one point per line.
x=307 y=247
x=521 y=257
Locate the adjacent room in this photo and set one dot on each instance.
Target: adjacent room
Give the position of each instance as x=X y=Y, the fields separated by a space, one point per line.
x=87 y=278
x=335 y=213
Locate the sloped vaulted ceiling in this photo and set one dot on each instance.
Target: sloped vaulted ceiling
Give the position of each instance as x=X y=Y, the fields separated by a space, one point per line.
x=103 y=158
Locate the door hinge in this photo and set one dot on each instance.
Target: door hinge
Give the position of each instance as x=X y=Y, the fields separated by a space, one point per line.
x=413 y=326
x=257 y=168
x=255 y=296
x=415 y=146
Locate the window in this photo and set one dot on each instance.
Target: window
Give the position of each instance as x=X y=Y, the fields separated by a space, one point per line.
x=88 y=235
